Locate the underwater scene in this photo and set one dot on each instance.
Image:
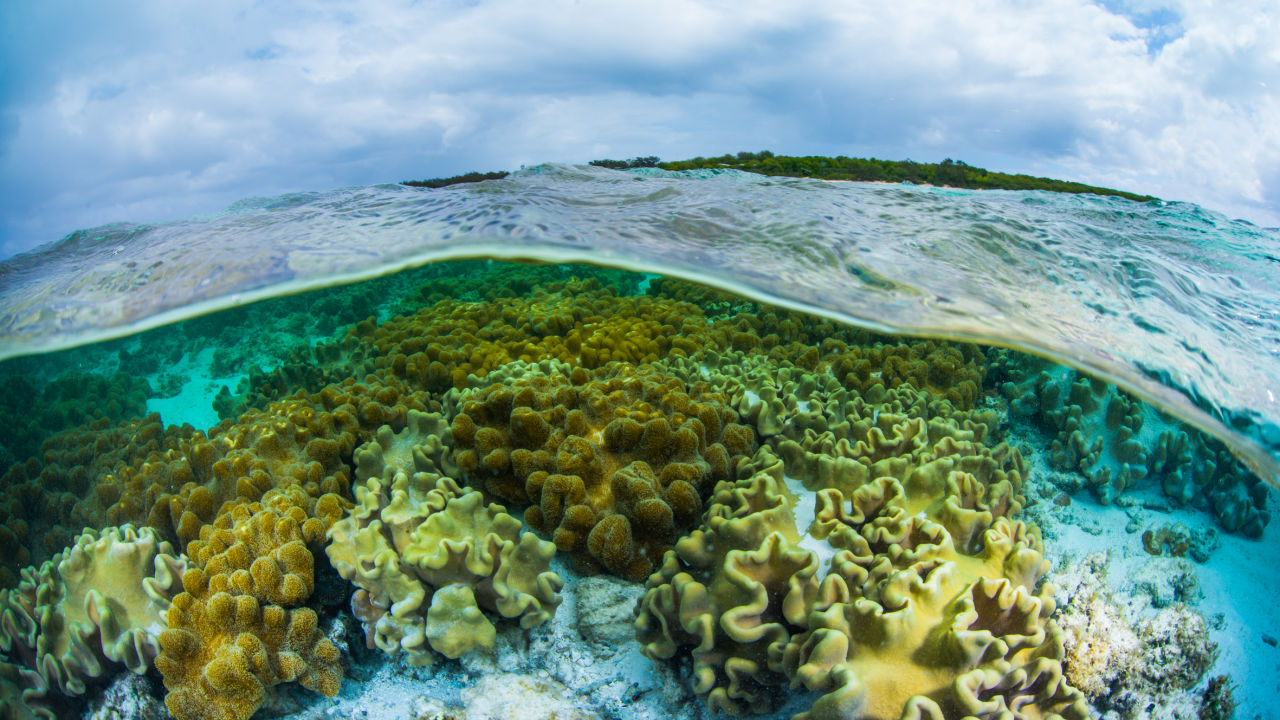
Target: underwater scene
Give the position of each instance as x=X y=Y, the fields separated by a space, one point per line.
x=764 y=449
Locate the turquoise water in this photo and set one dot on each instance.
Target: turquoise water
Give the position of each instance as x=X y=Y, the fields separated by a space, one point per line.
x=955 y=324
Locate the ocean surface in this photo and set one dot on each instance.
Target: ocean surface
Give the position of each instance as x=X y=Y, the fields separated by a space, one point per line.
x=589 y=443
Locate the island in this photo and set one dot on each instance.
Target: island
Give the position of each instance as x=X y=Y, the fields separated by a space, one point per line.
x=948 y=173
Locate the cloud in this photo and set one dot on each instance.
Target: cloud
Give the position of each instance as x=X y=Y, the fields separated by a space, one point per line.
x=147 y=113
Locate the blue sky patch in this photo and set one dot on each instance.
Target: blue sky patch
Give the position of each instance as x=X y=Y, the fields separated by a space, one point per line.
x=1162 y=25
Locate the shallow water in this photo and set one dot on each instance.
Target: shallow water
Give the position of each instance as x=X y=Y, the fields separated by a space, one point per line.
x=1170 y=300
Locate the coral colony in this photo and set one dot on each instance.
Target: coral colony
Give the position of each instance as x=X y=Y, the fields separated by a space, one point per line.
x=808 y=507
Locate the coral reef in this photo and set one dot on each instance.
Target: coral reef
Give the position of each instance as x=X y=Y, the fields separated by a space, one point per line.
x=816 y=509
x=615 y=463
x=310 y=368
x=31 y=411
x=1116 y=442
x=576 y=322
x=290 y=445
x=177 y=480
x=429 y=558
x=220 y=655
x=97 y=605
x=483 y=281
x=12 y=685
x=731 y=592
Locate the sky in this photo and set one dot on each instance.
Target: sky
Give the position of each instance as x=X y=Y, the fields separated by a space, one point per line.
x=153 y=110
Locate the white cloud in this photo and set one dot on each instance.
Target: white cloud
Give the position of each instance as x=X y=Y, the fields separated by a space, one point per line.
x=146 y=113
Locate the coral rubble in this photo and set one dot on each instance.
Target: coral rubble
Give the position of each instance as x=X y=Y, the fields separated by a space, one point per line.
x=1123 y=663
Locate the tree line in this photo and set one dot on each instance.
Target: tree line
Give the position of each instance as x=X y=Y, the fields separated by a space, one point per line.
x=948 y=173
x=456 y=179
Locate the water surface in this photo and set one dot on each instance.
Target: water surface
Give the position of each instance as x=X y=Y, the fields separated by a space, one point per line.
x=1168 y=300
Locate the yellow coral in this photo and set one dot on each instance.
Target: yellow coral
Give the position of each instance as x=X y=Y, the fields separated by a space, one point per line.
x=455 y=624
x=929 y=606
x=410 y=534
x=94 y=605
x=733 y=592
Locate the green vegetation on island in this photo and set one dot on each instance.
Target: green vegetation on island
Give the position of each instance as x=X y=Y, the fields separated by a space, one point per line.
x=470 y=177
x=640 y=162
x=948 y=173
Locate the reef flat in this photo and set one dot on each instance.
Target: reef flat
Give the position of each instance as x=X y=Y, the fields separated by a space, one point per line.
x=484 y=489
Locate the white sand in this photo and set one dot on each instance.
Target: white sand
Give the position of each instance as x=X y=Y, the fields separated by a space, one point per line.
x=194 y=403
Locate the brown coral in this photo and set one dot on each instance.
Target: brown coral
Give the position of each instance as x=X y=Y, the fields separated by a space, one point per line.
x=231 y=633
x=291 y=444
x=578 y=322
x=615 y=463
x=219 y=655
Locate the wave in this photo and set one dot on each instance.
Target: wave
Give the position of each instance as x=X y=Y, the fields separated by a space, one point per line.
x=1174 y=303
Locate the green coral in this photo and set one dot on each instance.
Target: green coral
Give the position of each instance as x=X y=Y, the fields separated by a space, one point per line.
x=32 y=411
